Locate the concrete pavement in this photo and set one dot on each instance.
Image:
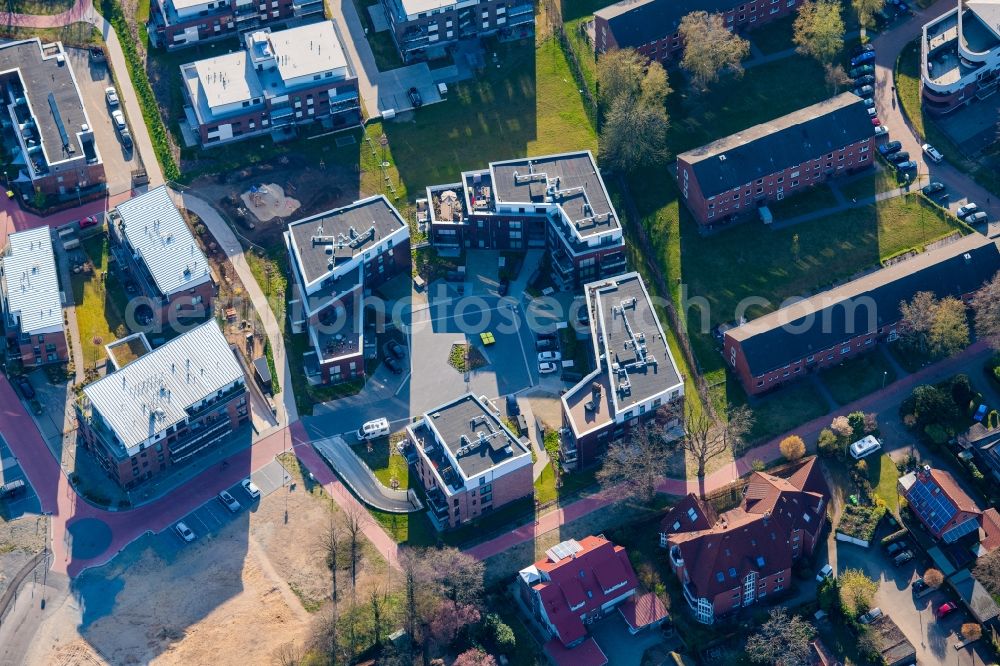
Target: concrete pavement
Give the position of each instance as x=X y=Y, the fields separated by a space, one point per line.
x=360 y=52
x=359 y=478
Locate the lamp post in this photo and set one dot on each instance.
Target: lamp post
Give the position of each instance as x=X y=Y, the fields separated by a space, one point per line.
x=885 y=375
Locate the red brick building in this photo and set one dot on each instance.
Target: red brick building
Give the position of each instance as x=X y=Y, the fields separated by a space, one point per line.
x=735 y=176
x=739 y=558
x=468 y=461
x=32 y=300
x=650 y=26
x=175 y=24
x=337 y=257
x=947 y=511
x=835 y=325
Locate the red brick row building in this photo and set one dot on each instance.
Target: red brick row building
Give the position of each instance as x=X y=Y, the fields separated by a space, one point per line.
x=175 y=24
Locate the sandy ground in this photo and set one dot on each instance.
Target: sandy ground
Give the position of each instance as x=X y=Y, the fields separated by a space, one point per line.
x=230 y=598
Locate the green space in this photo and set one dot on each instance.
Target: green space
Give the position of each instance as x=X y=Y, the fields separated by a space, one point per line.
x=882 y=179
x=529 y=106
x=804 y=202
x=100 y=302
x=882 y=474
x=858 y=376
x=860 y=521
x=75 y=34
x=385 y=462
x=545 y=486
x=383 y=46
x=38 y=7
x=774 y=37
x=583 y=51
x=127 y=351
x=576 y=350
x=779 y=412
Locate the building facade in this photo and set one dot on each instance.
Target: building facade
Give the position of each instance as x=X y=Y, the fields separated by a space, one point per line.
x=960 y=56
x=468 y=462
x=739 y=558
x=280 y=80
x=557 y=203
x=338 y=257
x=831 y=327
x=737 y=175
x=947 y=511
x=427 y=29
x=54 y=142
x=166 y=408
x=150 y=237
x=175 y=24
x=636 y=378
x=650 y=26
x=32 y=300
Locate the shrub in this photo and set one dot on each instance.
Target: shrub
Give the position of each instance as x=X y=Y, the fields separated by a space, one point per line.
x=860 y=522
x=827 y=443
x=497 y=636
x=961 y=391
x=936 y=434
x=895 y=536
x=993 y=420
x=792 y=447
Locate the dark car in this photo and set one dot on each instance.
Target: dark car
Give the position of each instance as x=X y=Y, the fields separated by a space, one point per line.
x=415 y=98
x=932 y=188
x=901 y=156
x=906 y=166
x=393 y=365
x=891 y=147
x=126 y=138
x=503 y=288
x=919 y=586
x=394 y=349
x=864 y=91
x=27 y=390
x=546 y=336
x=865 y=80
x=861 y=59
x=513 y=409
x=862 y=48
x=861 y=71
x=545 y=344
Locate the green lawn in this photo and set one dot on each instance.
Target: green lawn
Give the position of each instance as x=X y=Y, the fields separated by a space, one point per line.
x=803 y=203
x=882 y=179
x=583 y=50
x=779 y=412
x=859 y=376
x=99 y=303
x=774 y=37
x=75 y=34
x=38 y=6
x=413 y=529
x=530 y=106
x=383 y=47
x=882 y=474
x=545 y=486
x=385 y=462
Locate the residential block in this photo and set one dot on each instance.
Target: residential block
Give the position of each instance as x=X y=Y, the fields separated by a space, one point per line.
x=176 y=24
x=960 y=56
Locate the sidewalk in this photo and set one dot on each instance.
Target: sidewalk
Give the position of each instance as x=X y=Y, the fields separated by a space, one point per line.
x=360 y=479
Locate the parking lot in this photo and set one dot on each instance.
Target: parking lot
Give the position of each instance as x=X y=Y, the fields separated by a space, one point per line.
x=93 y=79
x=26 y=501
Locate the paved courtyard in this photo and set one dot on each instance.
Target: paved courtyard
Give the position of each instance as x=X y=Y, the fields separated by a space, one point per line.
x=974 y=127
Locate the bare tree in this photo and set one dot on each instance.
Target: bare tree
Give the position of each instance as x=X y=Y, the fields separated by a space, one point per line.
x=288 y=654
x=707 y=439
x=459 y=575
x=354 y=526
x=378 y=598
x=633 y=466
x=619 y=75
x=950 y=330
x=330 y=543
x=632 y=95
x=919 y=314
x=986 y=304
x=326 y=635
x=709 y=48
x=836 y=78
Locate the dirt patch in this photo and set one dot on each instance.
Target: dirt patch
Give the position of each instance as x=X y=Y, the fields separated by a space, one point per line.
x=268 y=201
x=547 y=408
x=20 y=540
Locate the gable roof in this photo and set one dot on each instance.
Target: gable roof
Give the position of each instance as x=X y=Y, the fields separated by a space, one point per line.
x=576 y=578
x=31 y=283
x=636 y=23
x=862 y=306
x=157 y=232
x=939 y=502
x=784 y=142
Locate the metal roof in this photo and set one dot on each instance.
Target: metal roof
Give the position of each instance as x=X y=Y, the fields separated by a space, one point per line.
x=155 y=391
x=31 y=282
x=157 y=232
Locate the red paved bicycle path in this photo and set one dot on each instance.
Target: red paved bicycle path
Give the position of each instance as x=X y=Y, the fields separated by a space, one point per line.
x=78 y=12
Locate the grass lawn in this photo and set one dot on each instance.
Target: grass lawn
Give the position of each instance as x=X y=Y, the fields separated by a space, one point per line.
x=38 y=6
x=383 y=47
x=859 y=376
x=774 y=37
x=882 y=474
x=545 y=486
x=75 y=34
x=882 y=179
x=413 y=529
x=583 y=50
x=807 y=201
x=776 y=414
x=530 y=106
x=910 y=358
x=99 y=303
x=385 y=462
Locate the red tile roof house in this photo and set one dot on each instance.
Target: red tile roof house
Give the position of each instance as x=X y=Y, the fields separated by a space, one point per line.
x=736 y=559
x=650 y=26
x=736 y=175
x=946 y=510
x=830 y=327
x=577 y=584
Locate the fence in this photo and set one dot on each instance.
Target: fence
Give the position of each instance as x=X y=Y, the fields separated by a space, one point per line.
x=589 y=103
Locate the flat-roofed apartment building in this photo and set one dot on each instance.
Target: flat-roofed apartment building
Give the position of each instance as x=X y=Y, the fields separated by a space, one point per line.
x=556 y=203
x=54 y=138
x=278 y=81
x=150 y=237
x=164 y=408
x=737 y=175
x=960 y=56
x=427 y=29
x=832 y=326
x=650 y=26
x=32 y=300
x=635 y=377
x=338 y=257
x=175 y=24
x=468 y=461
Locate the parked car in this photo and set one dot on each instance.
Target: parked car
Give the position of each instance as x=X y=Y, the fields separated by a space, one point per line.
x=906 y=166
x=901 y=156
x=824 y=573
x=393 y=365
x=967 y=209
x=229 y=501
x=919 y=586
x=864 y=91
x=861 y=71
x=252 y=490
x=111 y=95
x=881 y=130
x=861 y=59
x=894 y=548
x=946 y=609
x=869 y=103
x=393 y=348
x=513 y=409
x=876 y=122
x=27 y=390
x=90 y=221
x=185 y=532
x=890 y=147
x=118 y=118
x=373 y=429
x=549 y=356
x=862 y=48
x=503 y=287
x=12 y=488
x=977 y=218
x=545 y=345
x=415 y=99
x=932 y=152
x=870 y=616
x=903 y=558
x=546 y=336
x=872 y=111
x=932 y=188
x=866 y=80
x=547 y=367
x=126 y=137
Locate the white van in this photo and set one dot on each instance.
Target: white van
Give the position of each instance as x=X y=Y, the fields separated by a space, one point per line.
x=865 y=446
x=373 y=429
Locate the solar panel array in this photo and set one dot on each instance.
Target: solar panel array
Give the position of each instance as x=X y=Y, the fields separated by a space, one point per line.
x=931 y=503
x=960 y=530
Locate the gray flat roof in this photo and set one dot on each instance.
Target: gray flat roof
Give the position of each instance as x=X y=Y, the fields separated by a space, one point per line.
x=474 y=435
x=341 y=234
x=52 y=93
x=31 y=282
x=225 y=79
x=576 y=185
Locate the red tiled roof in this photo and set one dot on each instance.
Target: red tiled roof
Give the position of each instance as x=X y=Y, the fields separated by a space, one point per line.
x=587 y=653
x=642 y=611
x=681 y=515
x=950 y=487
x=990 y=531
x=575 y=585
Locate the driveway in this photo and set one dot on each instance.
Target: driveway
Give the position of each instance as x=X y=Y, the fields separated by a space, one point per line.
x=888 y=45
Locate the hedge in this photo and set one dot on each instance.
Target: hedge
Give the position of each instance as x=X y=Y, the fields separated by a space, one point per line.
x=112 y=11
x=860 y=522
